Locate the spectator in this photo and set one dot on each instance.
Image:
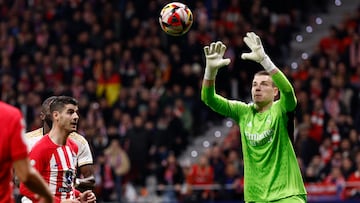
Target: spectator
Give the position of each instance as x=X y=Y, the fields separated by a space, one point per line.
x=352 y=191
x=119 y=162
x=318 y=119
x=232 y=184
x=138 y=151
x=217 y=162
x=330 y=43
x=109 y=83
x=347 y=167
x=335 y=177
x=314 y=171
x=170 y=178
x=105 y=184
x=200 y=177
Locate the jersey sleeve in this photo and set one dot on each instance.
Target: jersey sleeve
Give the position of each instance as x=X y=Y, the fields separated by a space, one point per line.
x=39 y=156
x=17 y=142
x=229 y=108
x=287 y=94
x=31 y=138
x=84 y=155
x=84 y=151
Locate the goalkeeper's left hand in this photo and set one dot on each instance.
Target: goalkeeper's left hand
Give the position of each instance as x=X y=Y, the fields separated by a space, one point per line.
x=257 y=53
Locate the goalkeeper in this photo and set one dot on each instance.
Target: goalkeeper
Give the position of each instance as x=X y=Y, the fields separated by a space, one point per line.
x=271 y=170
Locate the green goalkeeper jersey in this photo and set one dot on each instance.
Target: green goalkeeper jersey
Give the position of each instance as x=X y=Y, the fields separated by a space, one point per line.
x=271 y=170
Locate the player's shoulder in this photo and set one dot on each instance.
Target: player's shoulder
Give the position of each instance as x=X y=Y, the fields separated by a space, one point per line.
x=278 y=107
x=7 y=107
x=43 y=146
x=78 y=138
x=73 y=144
x=35 y=133
x=9 y=110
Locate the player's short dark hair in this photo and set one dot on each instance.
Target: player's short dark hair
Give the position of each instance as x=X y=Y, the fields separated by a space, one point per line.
x=59 y=103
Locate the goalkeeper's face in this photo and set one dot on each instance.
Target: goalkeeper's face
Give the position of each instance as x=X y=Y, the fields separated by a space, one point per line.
x=263 y=90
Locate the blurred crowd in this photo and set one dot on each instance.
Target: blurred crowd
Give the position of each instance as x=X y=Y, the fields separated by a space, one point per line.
x=139 y=89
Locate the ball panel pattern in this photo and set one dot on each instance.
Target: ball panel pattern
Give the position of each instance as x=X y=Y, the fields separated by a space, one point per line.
x=175 y=19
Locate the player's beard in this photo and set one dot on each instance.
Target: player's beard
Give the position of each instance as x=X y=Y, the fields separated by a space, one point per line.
x=72 y=128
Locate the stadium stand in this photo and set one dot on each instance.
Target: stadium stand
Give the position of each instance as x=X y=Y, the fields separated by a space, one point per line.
x=139 y=86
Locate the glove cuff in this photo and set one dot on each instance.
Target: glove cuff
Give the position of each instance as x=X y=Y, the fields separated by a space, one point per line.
x=210 y=73
x=267 y=64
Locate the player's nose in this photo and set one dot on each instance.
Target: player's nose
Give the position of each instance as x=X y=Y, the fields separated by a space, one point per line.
x=76 y=116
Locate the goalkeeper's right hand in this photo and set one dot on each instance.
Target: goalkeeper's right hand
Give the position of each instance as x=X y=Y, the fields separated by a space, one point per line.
x=214 y=59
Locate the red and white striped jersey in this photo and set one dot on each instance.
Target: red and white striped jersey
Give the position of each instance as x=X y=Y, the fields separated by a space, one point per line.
x=84 y=151
x=57 y=165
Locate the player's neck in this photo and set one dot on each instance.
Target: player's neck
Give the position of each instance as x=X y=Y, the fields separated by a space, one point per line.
x=58 y=136
x=261 y=108
x=46 y=128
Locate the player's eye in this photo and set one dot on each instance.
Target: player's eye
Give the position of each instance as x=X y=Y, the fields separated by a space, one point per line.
x=265 y=84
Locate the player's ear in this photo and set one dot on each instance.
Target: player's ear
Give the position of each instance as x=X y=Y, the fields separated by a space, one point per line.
x=276 y=92
x=55 y=115
x=42 y=116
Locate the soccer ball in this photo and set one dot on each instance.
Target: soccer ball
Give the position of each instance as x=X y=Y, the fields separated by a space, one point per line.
x=175 y=18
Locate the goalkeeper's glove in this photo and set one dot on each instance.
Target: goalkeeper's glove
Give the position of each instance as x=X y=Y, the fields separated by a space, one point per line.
x=257 y=53
x=214 y=59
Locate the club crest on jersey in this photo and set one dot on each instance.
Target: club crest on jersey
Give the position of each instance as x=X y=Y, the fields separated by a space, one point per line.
x=69 y=176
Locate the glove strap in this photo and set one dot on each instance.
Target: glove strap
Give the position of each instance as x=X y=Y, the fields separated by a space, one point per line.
x=210 y=73
x=268 y=64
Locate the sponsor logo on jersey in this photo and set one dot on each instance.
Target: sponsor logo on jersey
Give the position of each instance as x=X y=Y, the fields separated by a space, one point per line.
x=259 y=139
x=65 y=189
